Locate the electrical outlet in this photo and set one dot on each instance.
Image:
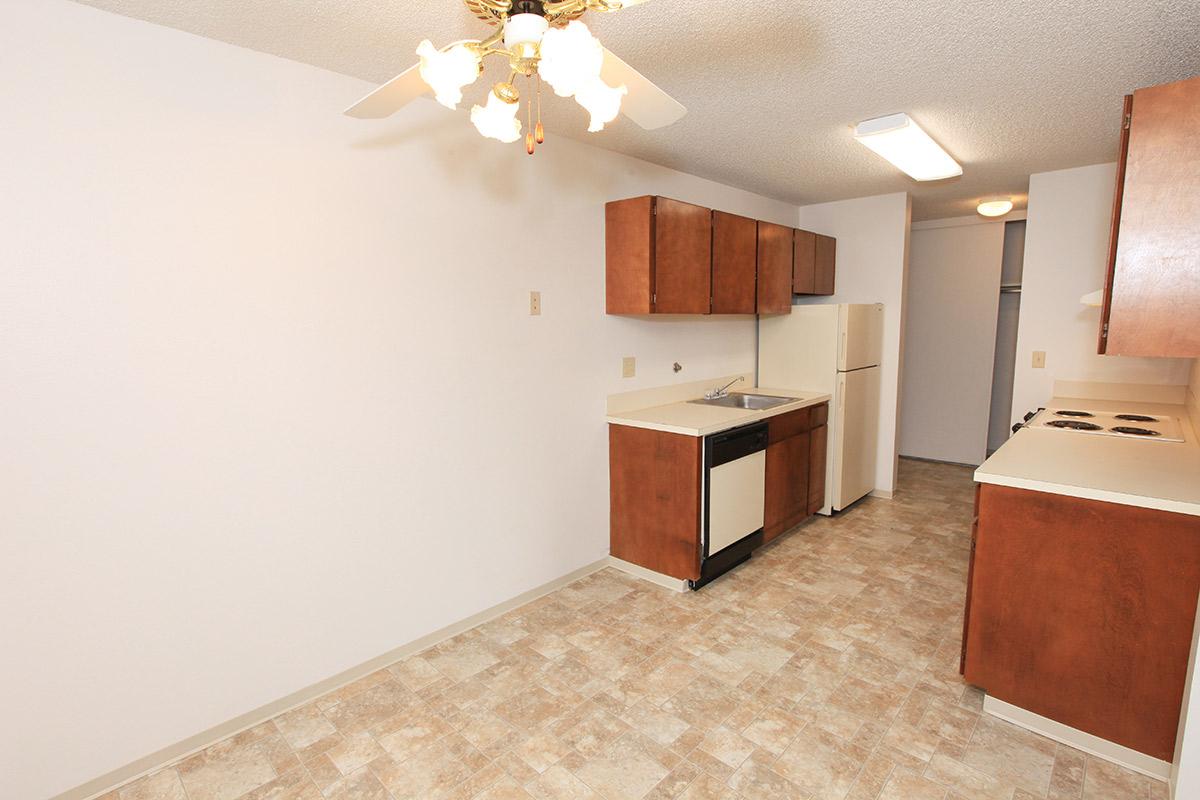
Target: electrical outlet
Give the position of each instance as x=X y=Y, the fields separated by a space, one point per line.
x=628 y=367
x=1039 y=359
x=535 y=304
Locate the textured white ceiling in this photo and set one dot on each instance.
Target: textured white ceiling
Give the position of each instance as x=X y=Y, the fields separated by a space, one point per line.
x=773 y=87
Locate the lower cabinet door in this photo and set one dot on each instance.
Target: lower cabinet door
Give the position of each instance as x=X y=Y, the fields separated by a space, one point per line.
x=819 y=446
x=786 y=484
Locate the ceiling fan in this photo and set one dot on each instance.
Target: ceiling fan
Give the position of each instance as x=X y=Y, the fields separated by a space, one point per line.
x=542 y=40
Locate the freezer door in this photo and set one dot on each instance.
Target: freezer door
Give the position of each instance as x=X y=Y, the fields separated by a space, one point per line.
x=860 y=336
x=855 y=435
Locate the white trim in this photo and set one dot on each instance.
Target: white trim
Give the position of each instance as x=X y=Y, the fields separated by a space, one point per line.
x=973 y=219
x=194 y=744
x=883 y=493
x=666 y=581
x=1088 y=743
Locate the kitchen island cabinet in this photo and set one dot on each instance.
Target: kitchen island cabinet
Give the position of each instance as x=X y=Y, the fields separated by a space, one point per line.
x=1082 y=611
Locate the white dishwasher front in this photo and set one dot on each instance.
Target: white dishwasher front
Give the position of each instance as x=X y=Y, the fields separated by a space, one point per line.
x=734 y=499
x=737 y=491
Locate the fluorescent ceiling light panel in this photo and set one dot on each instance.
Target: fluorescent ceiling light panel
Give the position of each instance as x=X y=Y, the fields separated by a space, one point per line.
x=902 y=142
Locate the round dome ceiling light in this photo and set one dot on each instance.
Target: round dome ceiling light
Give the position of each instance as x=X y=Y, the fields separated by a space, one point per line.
x=994 y=208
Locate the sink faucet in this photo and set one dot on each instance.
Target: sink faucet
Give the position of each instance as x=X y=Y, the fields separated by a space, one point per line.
x=715 y=394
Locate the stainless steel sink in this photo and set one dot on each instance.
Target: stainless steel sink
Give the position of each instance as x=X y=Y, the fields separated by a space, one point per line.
x=751 y=402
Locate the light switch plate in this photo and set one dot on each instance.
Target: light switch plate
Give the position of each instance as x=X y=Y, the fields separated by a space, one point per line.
x=1039 y=359
x=535 y=304
x=628 y=367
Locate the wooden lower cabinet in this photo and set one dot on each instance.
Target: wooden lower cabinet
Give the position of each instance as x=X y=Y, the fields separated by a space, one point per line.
x=794 y=463
x=787 y=484
x=1082 y=611
x=655 y=489
x=654 y=499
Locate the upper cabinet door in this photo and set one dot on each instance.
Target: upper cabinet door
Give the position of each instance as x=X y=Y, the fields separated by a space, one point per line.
x=804 y=265
x=682 y=258
x=734 y=263
x=825 y=264
x=1155 y=293
x=629 y=256
x=774 y=269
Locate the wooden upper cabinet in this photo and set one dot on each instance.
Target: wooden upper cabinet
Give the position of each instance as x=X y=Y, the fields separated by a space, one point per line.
x=813 y=266
x=1152 y=298
x=629 y=256
x=774 y=269
x=683 y=258
x=658 y=257
x=825 y=265
x=804 y=262
x=734 y=264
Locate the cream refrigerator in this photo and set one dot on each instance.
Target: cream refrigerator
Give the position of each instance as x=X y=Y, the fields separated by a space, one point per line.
x=835 y=350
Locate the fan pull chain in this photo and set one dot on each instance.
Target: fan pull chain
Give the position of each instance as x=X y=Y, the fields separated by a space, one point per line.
x=529 y=140
x=540 y=133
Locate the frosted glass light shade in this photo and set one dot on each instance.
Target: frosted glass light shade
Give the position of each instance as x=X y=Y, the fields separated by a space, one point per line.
x=603 y=102
x=994 y=208
x=571 y=56
x=448 y=72
x=902 y=142
x=498 y=119
x=524 y=29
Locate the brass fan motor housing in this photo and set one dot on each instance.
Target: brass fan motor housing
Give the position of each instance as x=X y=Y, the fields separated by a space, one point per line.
x=557 y=12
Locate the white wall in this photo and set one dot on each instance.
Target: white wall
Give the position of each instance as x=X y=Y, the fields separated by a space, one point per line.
x=273 y=403
x=950 y=339
x=1066 y=250
x=872 y=266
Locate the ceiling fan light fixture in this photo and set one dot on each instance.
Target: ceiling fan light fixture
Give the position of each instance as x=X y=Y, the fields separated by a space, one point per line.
x=602 y=102
x=994 y=208
x=448 y=71
x=570 y=57
x=901 y=141
x=524 y=29
x=498 y=119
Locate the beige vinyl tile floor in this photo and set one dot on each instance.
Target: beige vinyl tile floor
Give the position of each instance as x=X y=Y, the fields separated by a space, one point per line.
x=825 y=668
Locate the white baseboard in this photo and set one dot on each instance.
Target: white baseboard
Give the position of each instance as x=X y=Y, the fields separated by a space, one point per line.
x=883 y=493
x=194 y=744
x=666 y=581
x=1088 y=743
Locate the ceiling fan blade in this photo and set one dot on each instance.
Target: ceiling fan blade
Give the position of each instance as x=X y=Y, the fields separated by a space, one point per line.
x=391 y=96
x=646 y=104
x=396 y=93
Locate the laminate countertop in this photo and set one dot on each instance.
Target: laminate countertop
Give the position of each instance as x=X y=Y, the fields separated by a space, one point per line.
x=698 y=419
x=1132 y=472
